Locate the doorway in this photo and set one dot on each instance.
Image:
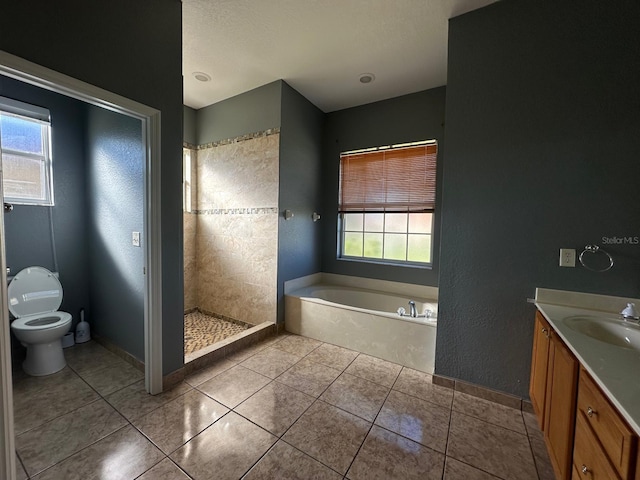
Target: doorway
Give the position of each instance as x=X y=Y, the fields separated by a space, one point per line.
x=36 y=75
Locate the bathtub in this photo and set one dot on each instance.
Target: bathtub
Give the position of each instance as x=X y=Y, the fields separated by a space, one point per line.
x=366 y=320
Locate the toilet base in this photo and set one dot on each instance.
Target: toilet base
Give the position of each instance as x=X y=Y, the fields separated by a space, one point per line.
x=44 y=359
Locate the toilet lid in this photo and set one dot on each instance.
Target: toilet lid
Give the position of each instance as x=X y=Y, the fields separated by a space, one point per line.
x=34 y=290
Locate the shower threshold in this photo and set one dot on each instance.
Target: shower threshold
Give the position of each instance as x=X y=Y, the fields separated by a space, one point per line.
x=237 y=335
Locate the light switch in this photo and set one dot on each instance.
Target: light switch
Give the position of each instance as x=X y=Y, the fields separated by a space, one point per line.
x=135 y=239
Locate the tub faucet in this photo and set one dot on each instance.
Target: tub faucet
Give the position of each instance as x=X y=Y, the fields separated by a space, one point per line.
x=413 y=311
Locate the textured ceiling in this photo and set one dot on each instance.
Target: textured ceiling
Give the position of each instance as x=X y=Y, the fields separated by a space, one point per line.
x=319 y=47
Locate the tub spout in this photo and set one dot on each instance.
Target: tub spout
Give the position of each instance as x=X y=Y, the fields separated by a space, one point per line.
x=412 y=309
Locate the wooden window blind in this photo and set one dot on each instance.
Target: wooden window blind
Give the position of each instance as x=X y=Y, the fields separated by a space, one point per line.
x=390 y=180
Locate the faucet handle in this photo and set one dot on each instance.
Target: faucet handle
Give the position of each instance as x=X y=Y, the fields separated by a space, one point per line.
x=630 y=312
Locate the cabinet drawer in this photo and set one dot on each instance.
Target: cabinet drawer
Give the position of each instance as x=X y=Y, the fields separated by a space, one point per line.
x=589 y=461
x=616 y=438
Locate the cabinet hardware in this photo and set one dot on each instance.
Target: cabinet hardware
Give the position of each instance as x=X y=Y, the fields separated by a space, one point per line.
x=545 y=331
x=590 y=412
x=584 y=469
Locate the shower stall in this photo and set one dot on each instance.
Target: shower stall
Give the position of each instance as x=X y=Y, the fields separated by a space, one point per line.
x=230 y=237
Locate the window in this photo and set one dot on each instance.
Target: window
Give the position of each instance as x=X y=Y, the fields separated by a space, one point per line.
x=186 y=180
x=386 y=203
x=26 y=154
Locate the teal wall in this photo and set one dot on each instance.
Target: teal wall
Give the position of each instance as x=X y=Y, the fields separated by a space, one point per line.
x=133 y=49
x=190 y=125
x=253 y=111
x=115 y=208
x=543 y=115
x=299 y=239
x=28 y=238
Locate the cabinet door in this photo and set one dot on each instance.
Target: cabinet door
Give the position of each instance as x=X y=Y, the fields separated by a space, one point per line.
x=560 y=406
x=539 y=365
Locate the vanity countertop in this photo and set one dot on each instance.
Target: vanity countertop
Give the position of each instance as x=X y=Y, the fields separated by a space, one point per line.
x=615 y=369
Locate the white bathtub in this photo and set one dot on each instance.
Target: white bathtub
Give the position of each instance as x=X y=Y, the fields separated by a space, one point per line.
x=365 y=320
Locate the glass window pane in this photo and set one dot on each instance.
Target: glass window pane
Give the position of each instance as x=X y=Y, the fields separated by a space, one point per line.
x=420 y=222
x=373 y=245
x=353 y=244
x=395 y=246
x=419 y=248
x=23 y=177
x=353 y=222
x=374 y=222
x=21 y=134
x=395 y=222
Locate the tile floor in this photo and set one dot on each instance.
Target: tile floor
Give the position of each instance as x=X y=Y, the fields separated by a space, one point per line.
x=287 y=408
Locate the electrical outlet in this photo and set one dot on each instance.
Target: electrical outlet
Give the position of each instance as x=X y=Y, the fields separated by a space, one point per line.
x=567 y=257
x=135 y=239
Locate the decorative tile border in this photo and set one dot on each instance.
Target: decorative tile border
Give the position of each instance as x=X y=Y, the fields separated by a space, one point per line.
x=241 y=138
x=237 y=211
x=189 y=146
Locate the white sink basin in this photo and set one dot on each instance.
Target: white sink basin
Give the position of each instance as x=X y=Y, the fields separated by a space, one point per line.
x=612 y=331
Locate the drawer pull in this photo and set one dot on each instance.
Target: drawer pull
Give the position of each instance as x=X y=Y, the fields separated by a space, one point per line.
x=545 y=331
x=584 y=469
x=591 y=412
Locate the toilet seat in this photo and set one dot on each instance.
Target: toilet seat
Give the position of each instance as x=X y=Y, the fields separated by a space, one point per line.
x=39 y=321
x=34 y=291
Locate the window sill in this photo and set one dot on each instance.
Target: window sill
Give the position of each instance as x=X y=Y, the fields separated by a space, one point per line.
x=386 y=263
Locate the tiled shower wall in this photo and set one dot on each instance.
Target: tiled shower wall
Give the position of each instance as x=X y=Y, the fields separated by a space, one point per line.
x=236 y=228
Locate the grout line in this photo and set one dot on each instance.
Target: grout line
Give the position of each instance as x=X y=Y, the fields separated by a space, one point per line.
x=80 y=450
x=533 y=454
x=278 y=438
x=22 y=464
x=446 y=445
x=315 y=400
x=369 y=431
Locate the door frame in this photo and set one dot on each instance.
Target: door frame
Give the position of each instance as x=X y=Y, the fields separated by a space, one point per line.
x=39 y=76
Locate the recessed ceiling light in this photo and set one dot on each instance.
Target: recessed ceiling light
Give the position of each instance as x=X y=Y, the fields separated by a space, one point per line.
x=367 y=78
x=201 y=76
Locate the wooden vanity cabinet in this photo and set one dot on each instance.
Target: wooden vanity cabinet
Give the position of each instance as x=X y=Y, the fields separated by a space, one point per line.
x=553 y=391
x=604 y=428
x=560 y=406
x=585 y=435
x=539 y=366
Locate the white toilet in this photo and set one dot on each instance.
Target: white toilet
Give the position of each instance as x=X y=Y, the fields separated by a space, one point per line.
x=35 y=295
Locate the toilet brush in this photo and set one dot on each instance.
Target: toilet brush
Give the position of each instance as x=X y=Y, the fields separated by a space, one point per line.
x=82 y=330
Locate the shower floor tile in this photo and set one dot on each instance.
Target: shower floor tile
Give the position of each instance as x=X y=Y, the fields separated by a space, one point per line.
x=202 y=330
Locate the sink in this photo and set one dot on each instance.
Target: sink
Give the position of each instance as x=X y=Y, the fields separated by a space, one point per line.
x=612 y=331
